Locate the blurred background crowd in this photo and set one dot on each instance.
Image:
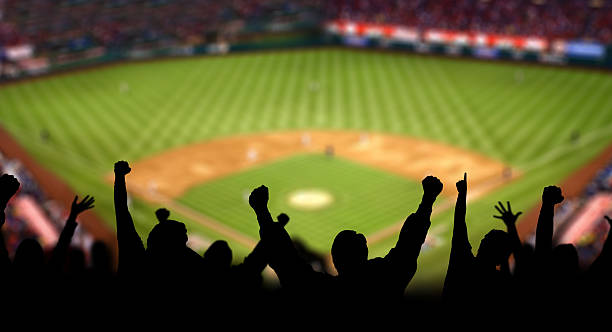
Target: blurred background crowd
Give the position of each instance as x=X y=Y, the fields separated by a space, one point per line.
x=76 y=25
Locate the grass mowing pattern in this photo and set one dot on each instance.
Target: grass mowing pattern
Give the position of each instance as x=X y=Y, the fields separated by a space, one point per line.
x=366 y=199
x=520 y=114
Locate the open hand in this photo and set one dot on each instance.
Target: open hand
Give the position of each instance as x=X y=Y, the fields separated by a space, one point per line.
x=506 y=214
x=432 y=186
x=122 y=168
x=462 y=184
x=82 y=206
x=552 y=195
x=259 y=198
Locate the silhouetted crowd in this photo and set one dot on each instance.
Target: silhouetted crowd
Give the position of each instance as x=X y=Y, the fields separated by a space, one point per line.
x=164 y=274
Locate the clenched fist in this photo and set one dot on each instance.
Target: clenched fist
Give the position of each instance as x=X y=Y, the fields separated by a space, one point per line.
x=259 y=198
x=122 y=168
x=283 y=219
x=432 y=186
x=552 y=195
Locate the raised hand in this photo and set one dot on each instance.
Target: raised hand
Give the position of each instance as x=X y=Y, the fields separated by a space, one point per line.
x=552 y=195
x=259 y=198
x=8 y=188
x=506 y=214
x=462 y=184
x=122 y=168
x=432 y=187
x=82 y=206
x=283 y=219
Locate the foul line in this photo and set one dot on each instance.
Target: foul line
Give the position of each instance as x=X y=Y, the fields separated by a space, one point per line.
x=196 y=216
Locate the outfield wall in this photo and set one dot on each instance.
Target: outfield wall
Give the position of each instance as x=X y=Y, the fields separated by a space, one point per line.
x=470 y=43
x=22 y=60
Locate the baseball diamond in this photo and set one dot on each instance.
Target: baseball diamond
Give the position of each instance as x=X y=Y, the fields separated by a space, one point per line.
x=357 y=127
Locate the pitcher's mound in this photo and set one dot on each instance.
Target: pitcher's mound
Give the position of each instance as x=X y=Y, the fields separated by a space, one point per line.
x=310 y=199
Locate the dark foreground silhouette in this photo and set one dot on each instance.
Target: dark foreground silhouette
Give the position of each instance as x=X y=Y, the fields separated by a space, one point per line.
x=166 y=275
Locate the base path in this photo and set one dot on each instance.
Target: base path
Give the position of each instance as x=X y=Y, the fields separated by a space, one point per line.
x=174 y=172
x=165 y=177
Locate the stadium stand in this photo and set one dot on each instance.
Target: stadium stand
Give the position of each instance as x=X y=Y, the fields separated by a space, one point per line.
x=39 y=36
x=574 y=19
x=30 y=214
x=579 y=221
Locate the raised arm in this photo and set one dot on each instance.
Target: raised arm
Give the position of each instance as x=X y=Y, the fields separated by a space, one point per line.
x=131 y=249
x=461 y=254
x=509 y=219
x=281 y=254
x=259 y=203
x=257 y=260
x=460 y=242
x=8 y=188
x=58 y=258
x=544 y=231
x=414 y=231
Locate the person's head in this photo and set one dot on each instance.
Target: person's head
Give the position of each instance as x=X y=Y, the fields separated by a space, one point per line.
x=218 y=255
x=349 y=251
x=565 y=260
x=495 y=248
x=167 y=236
x=162 y=214
x=29 y=256
x=101 y=259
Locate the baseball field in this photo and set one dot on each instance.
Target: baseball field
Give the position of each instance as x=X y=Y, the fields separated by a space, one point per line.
x=341 y=137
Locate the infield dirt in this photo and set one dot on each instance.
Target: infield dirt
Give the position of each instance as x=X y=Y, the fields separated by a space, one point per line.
x=174 y=172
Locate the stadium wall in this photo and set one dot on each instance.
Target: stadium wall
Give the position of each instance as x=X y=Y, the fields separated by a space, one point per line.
x=22 y=60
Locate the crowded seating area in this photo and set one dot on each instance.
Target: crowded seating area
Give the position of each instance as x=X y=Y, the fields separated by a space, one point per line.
x=574 y=19
x=31 y=214
x=79 y=25
x=163 y=269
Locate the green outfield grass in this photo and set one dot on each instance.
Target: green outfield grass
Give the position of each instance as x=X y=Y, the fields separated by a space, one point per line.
x=364 y=199
x=522 y=115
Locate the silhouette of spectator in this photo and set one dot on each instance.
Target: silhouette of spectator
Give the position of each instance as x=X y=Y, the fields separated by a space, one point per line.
x=521 y=253
x=359 y=279
x=544 y=231
x=472 y=278
x=162 y=214
x=61 y=250
x=131 y=250
x=175 y=267
x=243 y=280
